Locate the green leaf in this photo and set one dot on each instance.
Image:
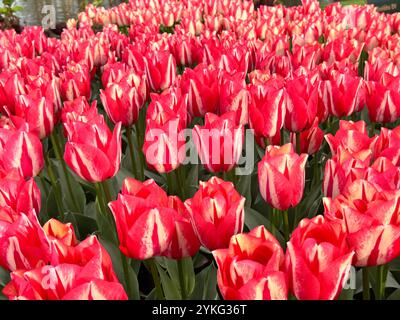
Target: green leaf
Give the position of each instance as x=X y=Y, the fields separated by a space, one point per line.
x=83 y=225
x=170 y=288
x=17 y=8
x=244 y=188
x=253 y=219
x=74 y=186
x=395 y=295
x=346 y=294
x=206 y=284
x=115 y=255
x=189 y=277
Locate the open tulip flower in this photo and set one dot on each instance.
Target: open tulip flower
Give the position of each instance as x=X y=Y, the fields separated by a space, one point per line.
x=185 y=149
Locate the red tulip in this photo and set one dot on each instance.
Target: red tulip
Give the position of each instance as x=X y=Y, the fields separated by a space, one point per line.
x=75 y=82
x=370 y=217
x=201 y=85
x=80 y=110
x=301 y=104
x=219 y=142
x=281 y=176
x=383 y=103
x=123 y=101
x=217 y=213
x=21 y=150
x=92 y=151
x=310 y=139
x=352 y=136
x=163 y=147
x=318 y=260
x=22 y=241
x=145 y=223
x=19 y=194
x=63 y=282
x=251 y=268
x=160 y=70
x=38 y=112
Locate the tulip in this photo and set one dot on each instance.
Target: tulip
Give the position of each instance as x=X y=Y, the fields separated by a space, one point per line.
x=281 y=176
x=123 y=101
x=23 y=242
x=318 y=260
x=370 y=217
x=383 y=103
x=75 y=82
x=62 y=282
x=92 y=151
x=217 y=213
x=160 y=70
x=22 y=150
x=201 y=85
x=163 y=147
x=80 y=110
x=301 y=104
x=145 y=223
x=251 y=268
x=38 y=112
x=266 y=111
x=310 y=139
x=219 y=142
x=19 y=194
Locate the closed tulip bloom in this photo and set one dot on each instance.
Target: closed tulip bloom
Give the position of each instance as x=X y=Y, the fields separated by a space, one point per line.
x=184 y=242
x=281 y=176
x=164 y=147
x=219 y=142
x=301 y=104
x=75 y=82
x=38 y=112
x=160 y=70
x=123 y=100
x=217 y=213
x=22 y=150
x=370 y=217
x=251 y=268
x=63 y=282
x=19 y=194
x=383 y=103
x=145 y=226
x=266 y=111
x=201 y=85
x=310 y=139
x=80 y=110
x=22 y=240
x=318 y=260
x=92 y=151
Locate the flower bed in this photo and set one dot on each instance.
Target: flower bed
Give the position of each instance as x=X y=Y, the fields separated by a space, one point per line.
x=202 y=150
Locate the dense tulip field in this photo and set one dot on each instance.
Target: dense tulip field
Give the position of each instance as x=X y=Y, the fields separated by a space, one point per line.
x=202 y=150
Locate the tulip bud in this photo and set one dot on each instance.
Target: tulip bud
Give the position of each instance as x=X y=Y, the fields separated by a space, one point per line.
x=245 y=274
x=318 y=260
x=281 y=176
x=219 y=142
x=217 y=213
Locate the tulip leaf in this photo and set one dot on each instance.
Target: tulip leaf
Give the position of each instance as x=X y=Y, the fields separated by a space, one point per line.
x=4 y=279
x=253 y=219
x=206 y=284
x=395 y=295
x=83 y=225
x=346 y=294
x=73 y=196
x=170 y=288
x=243 y=186
x=116 y=256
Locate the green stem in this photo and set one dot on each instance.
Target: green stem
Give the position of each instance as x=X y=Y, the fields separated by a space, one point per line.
x=365 y=278
x=106 y=190
x=381 y=281
x=273 y=222
x=57 y=192
x=156 y=278
x=131 y=150
x=182 y=279
x=372 y=129
x=141 y=156
x=171 y=183
x=286 y=224
x=181 y=182
x=298 y=146
x=57 y=150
